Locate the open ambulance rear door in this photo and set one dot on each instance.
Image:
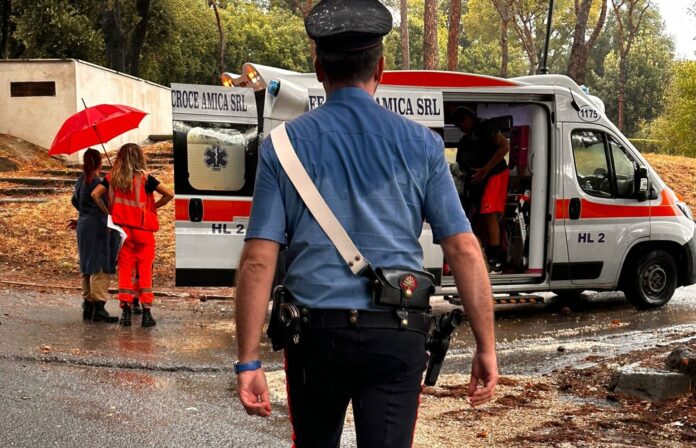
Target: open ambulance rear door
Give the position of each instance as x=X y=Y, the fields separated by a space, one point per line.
x=215 y=153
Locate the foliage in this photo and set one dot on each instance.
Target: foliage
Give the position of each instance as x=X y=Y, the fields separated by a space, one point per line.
x=649 y=69
x=675 y=126
x=57 y=29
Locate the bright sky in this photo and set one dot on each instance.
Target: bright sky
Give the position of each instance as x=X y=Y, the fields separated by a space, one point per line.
x=681 y=25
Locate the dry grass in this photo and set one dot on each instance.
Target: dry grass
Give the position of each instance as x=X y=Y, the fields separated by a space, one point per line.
x=33 y=237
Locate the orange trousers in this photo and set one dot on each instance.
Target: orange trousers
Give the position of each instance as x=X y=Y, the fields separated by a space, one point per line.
x=138 y=252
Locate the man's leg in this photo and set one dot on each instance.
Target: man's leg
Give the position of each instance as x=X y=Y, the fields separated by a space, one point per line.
x=492 y=207
x=99 y=284
x=385 y=405
x=318 y=386
x=87 y=304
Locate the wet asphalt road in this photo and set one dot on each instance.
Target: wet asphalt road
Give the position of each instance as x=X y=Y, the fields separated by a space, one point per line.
x=67 y=383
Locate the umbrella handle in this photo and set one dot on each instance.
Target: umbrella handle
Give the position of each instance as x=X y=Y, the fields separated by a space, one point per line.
x=98 y=136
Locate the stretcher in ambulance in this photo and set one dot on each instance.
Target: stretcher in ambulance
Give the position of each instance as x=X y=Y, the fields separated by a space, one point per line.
x=585 y=211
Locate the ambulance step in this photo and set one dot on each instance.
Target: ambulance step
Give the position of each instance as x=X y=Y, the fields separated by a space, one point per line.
x=30 y=191
x=519 y=300
x=527 y=299
x=38 y=181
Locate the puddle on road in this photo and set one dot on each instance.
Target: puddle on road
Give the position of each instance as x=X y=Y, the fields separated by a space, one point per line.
x=540 y=339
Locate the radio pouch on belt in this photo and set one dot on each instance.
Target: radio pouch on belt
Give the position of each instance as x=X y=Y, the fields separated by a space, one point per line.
x=392 y=287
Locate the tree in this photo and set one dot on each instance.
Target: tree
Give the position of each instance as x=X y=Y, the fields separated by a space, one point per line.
x=221 y=36
x=505 y=10
x=580 y=51
x=136 y=38
x=648 y=75
x=529 y=15
x=455 y=20
x=5 y=14
x=629 y=16
x=55 y=29
x=430 y=49
x=675 y=127
x=114 y=36
x=403 y=30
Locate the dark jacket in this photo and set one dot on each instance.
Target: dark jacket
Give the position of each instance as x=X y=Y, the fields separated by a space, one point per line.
x=97 y=244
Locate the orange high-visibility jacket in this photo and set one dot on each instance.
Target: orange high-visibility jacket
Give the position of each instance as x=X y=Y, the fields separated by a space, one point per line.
x=135 y=208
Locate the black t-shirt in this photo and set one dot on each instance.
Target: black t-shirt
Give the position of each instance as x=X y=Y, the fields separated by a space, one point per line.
x=150 y=185
x=477 y=148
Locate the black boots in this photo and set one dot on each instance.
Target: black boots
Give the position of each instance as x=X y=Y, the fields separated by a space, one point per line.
x=125 y=315
x=101 y=315
x=137 y=309
x=87 y=309
x=148 y=321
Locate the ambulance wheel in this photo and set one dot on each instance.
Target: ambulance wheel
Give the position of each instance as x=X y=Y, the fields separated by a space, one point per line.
x=654 y=281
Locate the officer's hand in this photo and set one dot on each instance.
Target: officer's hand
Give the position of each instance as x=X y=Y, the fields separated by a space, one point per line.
x=253 y=392
x=484 y=371
x=71 y=224
x=479 y=175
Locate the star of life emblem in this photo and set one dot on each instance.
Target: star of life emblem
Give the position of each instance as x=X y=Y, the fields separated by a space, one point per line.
x=215 y=158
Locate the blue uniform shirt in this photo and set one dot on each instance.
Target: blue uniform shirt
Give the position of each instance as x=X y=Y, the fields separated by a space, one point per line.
x=380 y=174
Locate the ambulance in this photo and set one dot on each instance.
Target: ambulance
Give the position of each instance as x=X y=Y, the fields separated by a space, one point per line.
x=585 y=210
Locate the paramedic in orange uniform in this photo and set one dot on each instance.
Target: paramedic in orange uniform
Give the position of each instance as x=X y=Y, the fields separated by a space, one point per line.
x=132 y=206
x=481 y=153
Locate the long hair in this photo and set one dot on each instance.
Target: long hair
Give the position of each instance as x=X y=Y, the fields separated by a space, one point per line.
x=91 y=163
x=129 y=162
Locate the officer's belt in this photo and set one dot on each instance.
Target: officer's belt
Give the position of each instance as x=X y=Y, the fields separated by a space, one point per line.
x=332 y=318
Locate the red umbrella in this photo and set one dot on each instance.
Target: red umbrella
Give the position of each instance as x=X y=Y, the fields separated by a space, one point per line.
x=97 y=124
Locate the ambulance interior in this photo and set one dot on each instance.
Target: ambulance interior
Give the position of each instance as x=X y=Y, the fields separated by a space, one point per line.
x=522 y=224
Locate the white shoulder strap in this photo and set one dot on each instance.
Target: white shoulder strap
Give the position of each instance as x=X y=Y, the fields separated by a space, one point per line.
x=314 y=201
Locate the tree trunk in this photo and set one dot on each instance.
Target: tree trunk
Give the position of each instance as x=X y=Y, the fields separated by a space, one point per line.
x=221 y=35
x=580 y=50
x=137 y=37
x=455 y=19
x=504 y=48
x=629 y=16
x=405 y=49
x=621 y=100
x=5 y=30
x=430 y=35
x=114 y=37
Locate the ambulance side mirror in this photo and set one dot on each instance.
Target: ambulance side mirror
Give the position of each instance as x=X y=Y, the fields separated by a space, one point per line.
x=642 y=183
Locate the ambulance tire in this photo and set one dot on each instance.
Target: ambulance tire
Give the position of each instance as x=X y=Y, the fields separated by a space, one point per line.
x=654 y=282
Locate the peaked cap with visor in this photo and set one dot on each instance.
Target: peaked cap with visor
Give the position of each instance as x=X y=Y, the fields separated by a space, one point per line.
x=348 y=25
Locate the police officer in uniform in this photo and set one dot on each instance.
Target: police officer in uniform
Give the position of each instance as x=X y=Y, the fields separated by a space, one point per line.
x=381 y=175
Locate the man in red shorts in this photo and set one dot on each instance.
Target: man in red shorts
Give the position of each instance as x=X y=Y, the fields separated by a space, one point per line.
x=481 y=156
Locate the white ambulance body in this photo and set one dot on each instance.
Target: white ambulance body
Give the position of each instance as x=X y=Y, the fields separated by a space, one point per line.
x=585 y=209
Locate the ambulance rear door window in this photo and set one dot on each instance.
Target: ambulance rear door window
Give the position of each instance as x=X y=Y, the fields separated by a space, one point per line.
x=215 y=158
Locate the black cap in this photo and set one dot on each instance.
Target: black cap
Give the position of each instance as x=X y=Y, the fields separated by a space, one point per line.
x=348 y=25
x=461 y=112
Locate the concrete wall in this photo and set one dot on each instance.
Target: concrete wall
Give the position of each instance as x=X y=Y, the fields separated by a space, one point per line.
x=98 y=85
x=36 y=118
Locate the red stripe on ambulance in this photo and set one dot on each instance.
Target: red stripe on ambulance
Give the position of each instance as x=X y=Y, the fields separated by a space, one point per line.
x=594 y=210
x=215 y=210
x=432 y=79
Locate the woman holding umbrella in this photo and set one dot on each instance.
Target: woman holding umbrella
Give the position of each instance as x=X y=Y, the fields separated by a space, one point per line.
x=132 y=205
x=97 y=245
